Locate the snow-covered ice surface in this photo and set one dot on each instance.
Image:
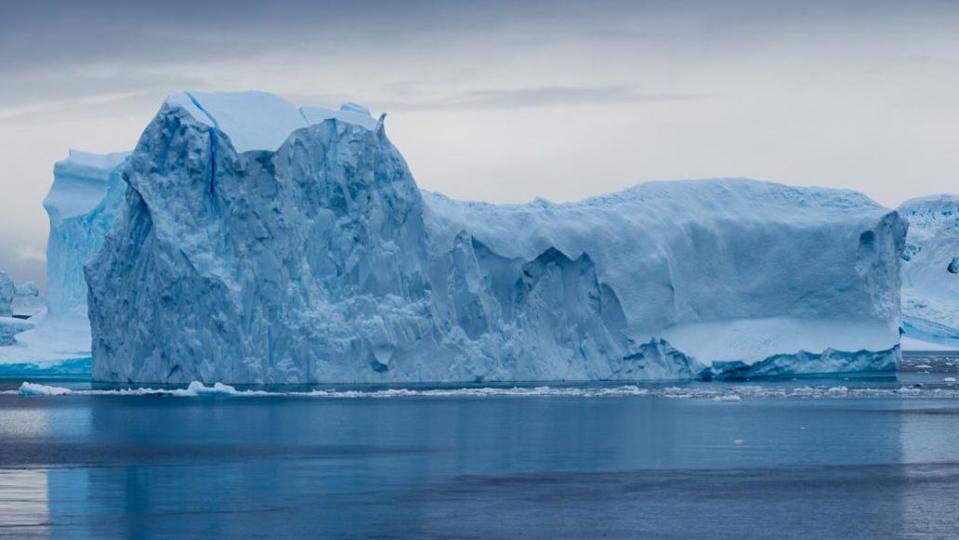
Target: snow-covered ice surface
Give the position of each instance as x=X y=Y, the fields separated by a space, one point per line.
x=258 y=248
x=47 y=343
x=930 y=273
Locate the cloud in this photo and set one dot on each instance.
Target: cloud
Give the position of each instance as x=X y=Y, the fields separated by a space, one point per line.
x=554 y=95
x=60 y=105
x=516 y=98
x=31 y=254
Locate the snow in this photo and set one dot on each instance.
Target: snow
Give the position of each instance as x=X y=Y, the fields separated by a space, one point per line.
x=930 y=291
x=349 y=113
x=259 y=121
x=48 y=340
x=318 y=259
x=80 y=183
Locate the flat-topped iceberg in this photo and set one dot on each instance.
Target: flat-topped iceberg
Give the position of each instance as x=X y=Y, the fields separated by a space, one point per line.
x=256 y=247
x=930 y=273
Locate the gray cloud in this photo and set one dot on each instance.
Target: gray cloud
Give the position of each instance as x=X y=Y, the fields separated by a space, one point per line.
x=517 y=98
x=555 y=95
x=852 y=93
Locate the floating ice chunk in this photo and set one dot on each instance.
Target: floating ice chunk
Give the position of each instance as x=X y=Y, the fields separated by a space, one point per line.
x=29 y=389
x=197 y=388
x=699 y=392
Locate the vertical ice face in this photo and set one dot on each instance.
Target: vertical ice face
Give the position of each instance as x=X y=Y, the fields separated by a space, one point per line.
x=264 y=243
x=86 y=194
x=930 y=272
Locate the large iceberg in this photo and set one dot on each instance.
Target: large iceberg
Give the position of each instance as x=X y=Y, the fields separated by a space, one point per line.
x=930 y=273
x=86 y=194
x=260 y=242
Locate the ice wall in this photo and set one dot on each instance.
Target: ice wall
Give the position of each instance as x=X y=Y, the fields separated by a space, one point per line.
x=261 y=243
x=930 y=273
x=86 y=194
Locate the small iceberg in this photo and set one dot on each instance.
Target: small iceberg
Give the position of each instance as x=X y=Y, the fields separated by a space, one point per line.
x=29 y=389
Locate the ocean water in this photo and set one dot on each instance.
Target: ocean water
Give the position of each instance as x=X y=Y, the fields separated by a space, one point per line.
x=866 y=457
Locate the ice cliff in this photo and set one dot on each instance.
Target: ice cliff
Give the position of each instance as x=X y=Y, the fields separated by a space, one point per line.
x=264 y=243
x=930 y=273
x=86 y=195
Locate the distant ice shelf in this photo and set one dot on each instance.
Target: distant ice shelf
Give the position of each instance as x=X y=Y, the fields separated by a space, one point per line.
x=261 y=242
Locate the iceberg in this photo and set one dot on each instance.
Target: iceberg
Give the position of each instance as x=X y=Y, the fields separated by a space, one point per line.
x=930 y=273
x=86 y=195
x=53 y=335
x=19 y=303
x=11 y=322
x=262 y=243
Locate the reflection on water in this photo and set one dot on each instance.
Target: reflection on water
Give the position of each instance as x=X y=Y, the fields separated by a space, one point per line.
x=108 y=466
x=930 y=434
x=23 y=503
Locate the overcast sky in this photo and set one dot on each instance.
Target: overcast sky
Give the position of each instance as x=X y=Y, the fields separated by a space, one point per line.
x=507 y=100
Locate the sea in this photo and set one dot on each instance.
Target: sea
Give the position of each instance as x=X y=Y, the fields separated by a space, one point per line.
x=852 y=457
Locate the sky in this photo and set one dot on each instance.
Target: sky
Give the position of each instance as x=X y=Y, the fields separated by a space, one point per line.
x=504 y=101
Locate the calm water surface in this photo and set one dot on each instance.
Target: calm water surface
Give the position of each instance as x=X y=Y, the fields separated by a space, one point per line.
x=875 y=458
